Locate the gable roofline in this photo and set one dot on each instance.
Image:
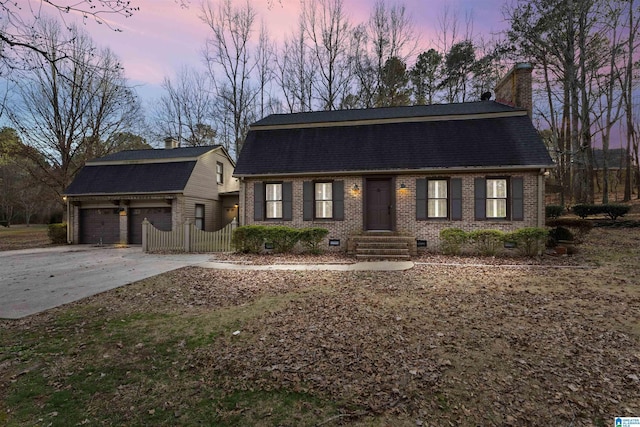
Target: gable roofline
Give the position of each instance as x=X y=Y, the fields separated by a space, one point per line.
x=158 y=155
x=227 y=155
x=463 y=169
x=384 y=115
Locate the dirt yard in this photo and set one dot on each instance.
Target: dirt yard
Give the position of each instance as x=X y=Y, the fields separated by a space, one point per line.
x=479 y=342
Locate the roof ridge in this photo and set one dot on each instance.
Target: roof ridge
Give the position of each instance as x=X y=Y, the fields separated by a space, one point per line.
x=156 y=154
x=386 y=113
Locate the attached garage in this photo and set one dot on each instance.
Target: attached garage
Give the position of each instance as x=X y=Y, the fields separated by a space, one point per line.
x=111 y=196
x=99 y=226
x=159 y=217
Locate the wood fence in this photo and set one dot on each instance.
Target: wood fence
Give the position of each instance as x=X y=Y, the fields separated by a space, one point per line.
x=187 y=238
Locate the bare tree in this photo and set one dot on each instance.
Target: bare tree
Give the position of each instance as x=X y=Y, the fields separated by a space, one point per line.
x=388 y=33
x=296 y=72
x=19 y=35
x=633 y=26
x=561 y=35
x=366 y=76
x=230 y=63
x=64 y=113
x=328 y=29
x=609 y=84
x=186 y=109
x=265 y=55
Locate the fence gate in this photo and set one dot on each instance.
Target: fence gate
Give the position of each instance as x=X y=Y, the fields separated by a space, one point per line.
x=187 y=238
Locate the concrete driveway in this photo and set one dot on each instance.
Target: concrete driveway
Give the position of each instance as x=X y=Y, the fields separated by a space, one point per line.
x=35 y=280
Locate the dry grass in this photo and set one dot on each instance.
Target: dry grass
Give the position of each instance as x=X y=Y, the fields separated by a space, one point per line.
x=23 y=237
x=435 y=345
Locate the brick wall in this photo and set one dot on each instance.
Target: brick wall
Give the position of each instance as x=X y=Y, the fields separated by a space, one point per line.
x=429 y=230
x=405 y=209
x=516 y=88
x=337 y=229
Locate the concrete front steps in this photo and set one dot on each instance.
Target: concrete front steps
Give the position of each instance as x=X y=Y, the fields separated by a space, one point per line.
x=388 y=246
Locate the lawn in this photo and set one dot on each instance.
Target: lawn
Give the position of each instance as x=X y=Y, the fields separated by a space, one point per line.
x=23 y=237
x=553 y=343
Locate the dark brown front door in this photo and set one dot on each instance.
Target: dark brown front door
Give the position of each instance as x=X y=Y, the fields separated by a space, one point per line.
x=379 y=204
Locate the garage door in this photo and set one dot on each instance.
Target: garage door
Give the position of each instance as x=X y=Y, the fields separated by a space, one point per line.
x=99 y=226
x=159 y=217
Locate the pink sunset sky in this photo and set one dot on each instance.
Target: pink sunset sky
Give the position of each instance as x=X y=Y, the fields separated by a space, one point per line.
x=162 y=37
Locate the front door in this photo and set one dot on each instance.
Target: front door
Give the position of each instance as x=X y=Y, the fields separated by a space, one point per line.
x=379 y=204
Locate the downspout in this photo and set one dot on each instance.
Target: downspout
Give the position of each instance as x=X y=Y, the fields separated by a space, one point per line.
x=69 y=221
x=242 y=200
x=541 y=211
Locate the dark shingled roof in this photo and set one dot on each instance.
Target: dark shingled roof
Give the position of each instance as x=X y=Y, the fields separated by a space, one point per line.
x=479 y=142
x=156 y=154
x=126 y=179
x=386 y=113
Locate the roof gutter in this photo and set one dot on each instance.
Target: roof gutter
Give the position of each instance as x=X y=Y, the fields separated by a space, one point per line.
x=122 y=194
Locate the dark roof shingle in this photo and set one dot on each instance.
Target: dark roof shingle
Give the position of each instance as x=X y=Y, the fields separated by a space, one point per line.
x=127 y=179
x=156 y=154
x=478 y=142
x=433 y=110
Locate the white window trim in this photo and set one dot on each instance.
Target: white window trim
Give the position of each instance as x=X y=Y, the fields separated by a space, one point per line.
x=220 y=174
x=323 y=201
x=494 y=204
x=437 y=198
x=275 y=202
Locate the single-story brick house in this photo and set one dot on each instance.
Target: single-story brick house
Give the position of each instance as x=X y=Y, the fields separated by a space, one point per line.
x=110 y=196
x=409 y=171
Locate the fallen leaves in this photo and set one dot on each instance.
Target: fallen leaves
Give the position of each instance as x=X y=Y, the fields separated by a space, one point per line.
x=439 y=344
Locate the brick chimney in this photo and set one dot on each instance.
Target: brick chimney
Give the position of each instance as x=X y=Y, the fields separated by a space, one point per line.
x=171 y=142
x=515 y=88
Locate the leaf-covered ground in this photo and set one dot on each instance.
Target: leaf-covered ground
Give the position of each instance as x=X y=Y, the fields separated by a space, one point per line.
x=555 y=343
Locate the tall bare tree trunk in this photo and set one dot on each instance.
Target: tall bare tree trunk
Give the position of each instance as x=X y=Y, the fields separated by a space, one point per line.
x=628 y=91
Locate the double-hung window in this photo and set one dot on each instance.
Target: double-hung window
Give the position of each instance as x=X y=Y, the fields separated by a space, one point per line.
x=273 y=201
x=324 y=200
x=219 y=173
x=199 y=217
x=437 y=200
x=496 y=204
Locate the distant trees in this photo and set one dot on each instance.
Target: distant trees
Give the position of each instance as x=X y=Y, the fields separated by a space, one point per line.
x=585 y=52
x=22 y=196
x=231 y=65
x=327 y=62
x=186 y=111
x=394 y=79
x=425 y=76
